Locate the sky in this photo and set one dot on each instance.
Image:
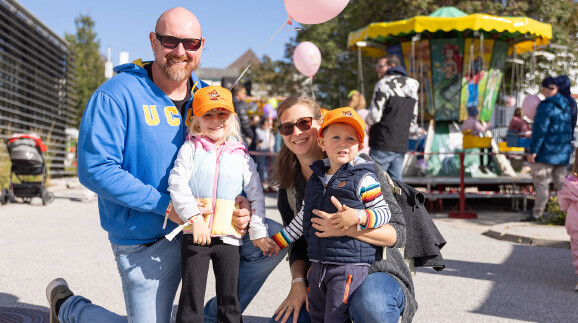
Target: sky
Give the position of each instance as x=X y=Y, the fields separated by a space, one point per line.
x=230 y=27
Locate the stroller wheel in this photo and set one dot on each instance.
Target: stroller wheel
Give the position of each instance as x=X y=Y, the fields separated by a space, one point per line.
x=4 y=196
x=47 y=197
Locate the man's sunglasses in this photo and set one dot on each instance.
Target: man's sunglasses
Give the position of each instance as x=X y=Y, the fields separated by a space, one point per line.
x=190 y=44
x=302 y=124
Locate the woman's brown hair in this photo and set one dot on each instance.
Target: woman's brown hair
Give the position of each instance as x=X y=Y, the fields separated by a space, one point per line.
x=286 y=163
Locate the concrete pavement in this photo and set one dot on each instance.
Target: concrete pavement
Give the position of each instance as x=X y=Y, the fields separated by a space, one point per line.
x=486 y=280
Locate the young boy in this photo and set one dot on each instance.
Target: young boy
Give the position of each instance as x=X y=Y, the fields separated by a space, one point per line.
x=339 y=264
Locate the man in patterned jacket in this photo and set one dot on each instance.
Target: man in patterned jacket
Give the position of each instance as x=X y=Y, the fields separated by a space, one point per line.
x=392 y=110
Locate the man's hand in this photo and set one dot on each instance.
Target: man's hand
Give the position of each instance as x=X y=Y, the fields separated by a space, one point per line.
x=241 y=216
x=173 y=216
x=532 y=158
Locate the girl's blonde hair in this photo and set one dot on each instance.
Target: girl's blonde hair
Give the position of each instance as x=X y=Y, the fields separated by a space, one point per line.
x=286 y=163
x=234 y=129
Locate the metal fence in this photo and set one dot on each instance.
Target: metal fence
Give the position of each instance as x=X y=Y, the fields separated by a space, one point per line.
x=36 y=82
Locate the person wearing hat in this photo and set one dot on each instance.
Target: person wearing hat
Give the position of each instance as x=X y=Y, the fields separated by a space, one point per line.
x=473 y=126
x=338 y=265
x=213 y=167
x=551 y=142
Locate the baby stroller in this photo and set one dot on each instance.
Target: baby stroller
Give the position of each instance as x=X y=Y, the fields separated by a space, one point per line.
x=27 y=156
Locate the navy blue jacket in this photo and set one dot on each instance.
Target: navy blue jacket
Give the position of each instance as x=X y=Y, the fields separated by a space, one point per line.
x=552 y=132
x=343 y=185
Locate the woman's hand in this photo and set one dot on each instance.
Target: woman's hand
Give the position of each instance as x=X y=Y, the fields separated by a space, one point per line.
x=242 y=215
x=293 y=303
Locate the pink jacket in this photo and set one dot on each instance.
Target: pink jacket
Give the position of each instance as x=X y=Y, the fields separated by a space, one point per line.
x=474 y=125
x=568 y=196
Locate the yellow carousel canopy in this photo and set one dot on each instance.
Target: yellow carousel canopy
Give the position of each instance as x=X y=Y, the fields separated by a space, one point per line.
x=521 y=33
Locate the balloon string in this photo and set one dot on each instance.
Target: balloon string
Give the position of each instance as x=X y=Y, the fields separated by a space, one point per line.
x=261 y=51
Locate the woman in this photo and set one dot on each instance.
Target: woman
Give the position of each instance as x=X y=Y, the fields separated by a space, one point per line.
x=387 y=292
x=520 y=124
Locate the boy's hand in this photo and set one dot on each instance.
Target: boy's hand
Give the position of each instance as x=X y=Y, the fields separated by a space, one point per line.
x=265 y=244
x=345 y=216
x=201 y=234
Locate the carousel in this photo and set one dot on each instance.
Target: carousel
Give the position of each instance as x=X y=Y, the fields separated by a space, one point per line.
x=459 y=60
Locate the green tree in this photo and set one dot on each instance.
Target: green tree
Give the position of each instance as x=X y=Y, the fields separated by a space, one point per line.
x=339 y=66
x=88 y=63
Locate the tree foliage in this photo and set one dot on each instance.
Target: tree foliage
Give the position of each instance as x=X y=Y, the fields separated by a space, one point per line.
x=88 y=63
x=339 y=67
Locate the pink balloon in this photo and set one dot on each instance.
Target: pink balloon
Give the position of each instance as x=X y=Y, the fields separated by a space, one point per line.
x=314 y=11
x=307 y=58
x=529 y=106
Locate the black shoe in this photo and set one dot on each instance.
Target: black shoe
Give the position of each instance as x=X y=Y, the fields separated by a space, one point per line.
x=483 y=169
x=529 y=218
x=57 y=292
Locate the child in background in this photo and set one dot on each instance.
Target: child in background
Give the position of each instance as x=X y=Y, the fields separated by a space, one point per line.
x=214 y=167
x=568 y=201
x=475 y=127
x=339 y=264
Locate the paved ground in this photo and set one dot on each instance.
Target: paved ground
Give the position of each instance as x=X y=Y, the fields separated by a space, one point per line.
x=486 y=279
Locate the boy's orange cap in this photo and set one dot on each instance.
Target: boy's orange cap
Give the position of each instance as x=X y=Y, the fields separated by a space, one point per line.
x=345 y=115
x=212 y=97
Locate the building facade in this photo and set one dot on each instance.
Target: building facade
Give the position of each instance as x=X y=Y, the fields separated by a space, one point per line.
x=36 y=83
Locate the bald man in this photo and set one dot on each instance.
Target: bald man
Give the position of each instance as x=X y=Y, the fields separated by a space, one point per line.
x=130 y=133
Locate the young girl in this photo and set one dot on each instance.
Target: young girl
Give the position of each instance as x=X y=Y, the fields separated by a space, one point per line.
x=568 y=200
x=214 y=167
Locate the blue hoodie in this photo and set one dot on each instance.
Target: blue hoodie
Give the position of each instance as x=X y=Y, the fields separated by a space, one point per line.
x=129 y=137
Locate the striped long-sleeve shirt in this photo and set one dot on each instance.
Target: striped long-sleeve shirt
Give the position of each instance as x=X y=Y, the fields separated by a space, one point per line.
x=368 y=191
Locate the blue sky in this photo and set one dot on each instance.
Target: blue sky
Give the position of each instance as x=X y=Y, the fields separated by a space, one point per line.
x=230 y=26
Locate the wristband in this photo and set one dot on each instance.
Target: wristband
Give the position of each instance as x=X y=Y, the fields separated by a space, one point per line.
x=296 y=280
x=169 y=209
x=359 y=215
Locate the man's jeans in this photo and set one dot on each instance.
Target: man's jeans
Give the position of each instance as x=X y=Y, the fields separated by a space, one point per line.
x=390 y=162
x=151 y=275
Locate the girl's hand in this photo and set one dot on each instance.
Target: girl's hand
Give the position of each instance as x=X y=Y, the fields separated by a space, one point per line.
x=293 y=303
x=201 y=234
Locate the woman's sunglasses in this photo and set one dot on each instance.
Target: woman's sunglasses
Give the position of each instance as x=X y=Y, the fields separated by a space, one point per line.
x=302 y=124
x=170 y=42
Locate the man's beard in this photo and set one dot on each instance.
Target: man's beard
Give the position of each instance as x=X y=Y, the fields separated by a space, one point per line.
x=177 y=73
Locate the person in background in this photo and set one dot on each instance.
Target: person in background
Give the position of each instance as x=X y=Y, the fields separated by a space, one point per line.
x=550 y=145
x=474 y=126
x=392 y=110
x=214 y=139
x=564 y=85
x=265 y=146
x=255 y=121
x=387 y=292
x=520 y=124
x=239 y=95
x=568 y=201
x=357 y=103
x=338 y=266
x=125 y=153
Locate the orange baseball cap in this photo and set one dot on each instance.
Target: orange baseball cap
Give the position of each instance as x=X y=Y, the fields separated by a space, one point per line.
x=212 y=97
x=345 y=115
